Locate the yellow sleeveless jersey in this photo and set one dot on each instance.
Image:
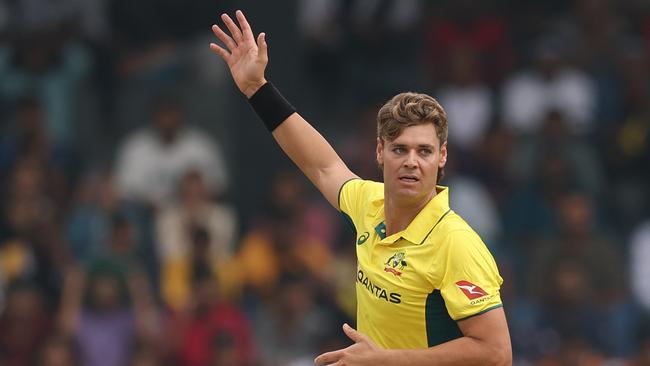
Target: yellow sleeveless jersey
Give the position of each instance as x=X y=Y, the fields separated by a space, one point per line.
x=414 y=285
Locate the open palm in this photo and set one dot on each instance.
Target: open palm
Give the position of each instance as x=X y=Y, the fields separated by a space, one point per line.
x=246 y=57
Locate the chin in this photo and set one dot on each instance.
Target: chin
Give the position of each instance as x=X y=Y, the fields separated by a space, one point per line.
x=405 y=194
x=412 y=194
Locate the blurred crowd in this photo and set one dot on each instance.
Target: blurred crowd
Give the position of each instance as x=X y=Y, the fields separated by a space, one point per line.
x=148 y=219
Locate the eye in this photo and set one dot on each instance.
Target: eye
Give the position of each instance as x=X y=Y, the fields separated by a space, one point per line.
x=426 y=152
x=399 y=150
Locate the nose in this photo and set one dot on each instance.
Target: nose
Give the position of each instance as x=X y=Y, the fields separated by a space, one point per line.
x=411 y=160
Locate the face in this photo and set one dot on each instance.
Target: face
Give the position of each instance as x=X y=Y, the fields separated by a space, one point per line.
x=57 y=353
x=411 y=163
x=105 y=292
x=193 y=188
x=168 y=119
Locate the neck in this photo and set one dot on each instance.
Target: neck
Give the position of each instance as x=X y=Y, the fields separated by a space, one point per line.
x=399 y=216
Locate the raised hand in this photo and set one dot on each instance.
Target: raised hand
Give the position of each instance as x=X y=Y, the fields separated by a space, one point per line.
x=363 y=352
x=246 y=57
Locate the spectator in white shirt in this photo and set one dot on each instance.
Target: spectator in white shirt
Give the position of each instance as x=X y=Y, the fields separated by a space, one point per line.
x=152 y=160
x=551 y=85
x=639 y=269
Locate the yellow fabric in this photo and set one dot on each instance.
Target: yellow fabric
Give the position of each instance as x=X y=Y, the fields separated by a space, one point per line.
x=259 y=261
x=397 y=274
x=175 y=283
x=14 y=259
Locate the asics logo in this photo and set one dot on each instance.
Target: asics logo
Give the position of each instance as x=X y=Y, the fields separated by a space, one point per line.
x=362 y=239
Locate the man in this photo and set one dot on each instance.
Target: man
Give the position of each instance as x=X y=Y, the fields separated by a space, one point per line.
x=427 y=287
x=152 y=160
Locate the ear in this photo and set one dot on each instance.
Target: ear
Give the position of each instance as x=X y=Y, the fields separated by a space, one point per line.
x=380 y=152
x=443 y=155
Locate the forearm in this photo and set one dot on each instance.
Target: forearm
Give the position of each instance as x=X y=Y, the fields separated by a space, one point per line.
x=69 y=315
x=247 y=58
x=464 y=351
x=307 y=148
x=71 y=299
x=144 y=310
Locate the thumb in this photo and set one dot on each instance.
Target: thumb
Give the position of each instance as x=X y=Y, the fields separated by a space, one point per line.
x=263 y=48
x=353 y=334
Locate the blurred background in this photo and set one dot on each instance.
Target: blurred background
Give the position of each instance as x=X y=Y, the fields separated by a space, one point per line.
x=147 y=217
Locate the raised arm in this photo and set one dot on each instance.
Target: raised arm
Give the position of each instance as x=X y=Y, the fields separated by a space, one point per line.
x=74 y=281
x=247 y=59
x=144 y=310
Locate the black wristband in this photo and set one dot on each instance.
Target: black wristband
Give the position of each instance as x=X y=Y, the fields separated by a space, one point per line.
x=271 y=106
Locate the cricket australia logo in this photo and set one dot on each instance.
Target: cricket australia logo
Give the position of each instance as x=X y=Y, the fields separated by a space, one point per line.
x=396 y=264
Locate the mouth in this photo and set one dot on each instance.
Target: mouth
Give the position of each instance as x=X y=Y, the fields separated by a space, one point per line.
x=409 y=178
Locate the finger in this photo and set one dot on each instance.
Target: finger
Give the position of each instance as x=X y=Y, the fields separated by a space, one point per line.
x=263 y=52
x=353 y=334
x=245 y=27
x=232 y=27
x=329 y=357
x=221 y=52
x=223 y=37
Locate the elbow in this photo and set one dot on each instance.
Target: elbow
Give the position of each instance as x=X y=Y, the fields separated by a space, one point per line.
x=494 y=355
x=502 y=357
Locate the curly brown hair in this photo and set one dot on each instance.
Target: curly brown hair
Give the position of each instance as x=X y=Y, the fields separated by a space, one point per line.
x=410 y=109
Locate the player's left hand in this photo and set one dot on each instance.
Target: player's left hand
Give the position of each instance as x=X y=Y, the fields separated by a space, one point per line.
x=362 y=352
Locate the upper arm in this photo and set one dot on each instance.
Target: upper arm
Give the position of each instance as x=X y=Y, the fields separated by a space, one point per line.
x=315 y=157
x=491 y=328
x=332 y=180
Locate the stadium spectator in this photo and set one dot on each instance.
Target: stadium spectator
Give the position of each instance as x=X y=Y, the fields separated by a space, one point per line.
x=26 y=137
x=554 y=137
x=289 y=326
x=477 y=27
x=639 y=270
x=89 y=223
x=151 y=161
x=283 y=241
x=58 y=350
x=118 y=312
x=192 y=231
x=467 y=100
x=472 y=200
x=628 y=142
x=210 y=331
x=573 y=268
x=31 y=227
x=552 y=84
x=642 y=358
x=51 y=66
x=24 y=323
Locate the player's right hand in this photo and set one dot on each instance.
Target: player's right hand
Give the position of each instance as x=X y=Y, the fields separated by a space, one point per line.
x=364 y=352
x=246 y=57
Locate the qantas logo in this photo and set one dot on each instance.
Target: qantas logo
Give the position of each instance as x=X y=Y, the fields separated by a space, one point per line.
x=471 y=290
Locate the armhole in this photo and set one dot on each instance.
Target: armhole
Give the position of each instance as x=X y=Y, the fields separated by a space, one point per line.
x=341 y=190
x=346 y=217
